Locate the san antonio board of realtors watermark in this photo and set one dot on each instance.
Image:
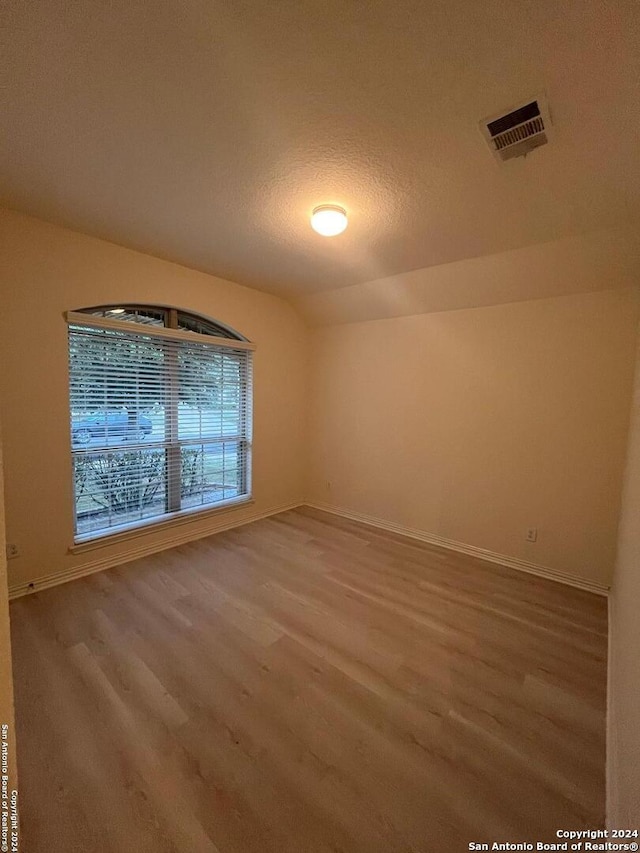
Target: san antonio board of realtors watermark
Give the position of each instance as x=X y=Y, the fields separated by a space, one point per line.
x=585 y=840
x=9 y=835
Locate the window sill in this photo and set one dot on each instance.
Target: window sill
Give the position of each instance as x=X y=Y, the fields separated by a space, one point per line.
x=134 y=531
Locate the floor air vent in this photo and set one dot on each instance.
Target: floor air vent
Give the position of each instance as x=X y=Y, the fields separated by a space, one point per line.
x=519 y=131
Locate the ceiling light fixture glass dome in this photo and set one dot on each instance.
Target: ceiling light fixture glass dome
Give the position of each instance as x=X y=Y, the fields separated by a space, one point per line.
x=329 y=220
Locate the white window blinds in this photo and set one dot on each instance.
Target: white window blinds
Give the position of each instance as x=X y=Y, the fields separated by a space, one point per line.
x=160 y=422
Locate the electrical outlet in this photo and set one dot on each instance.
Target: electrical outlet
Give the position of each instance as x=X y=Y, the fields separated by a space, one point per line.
x=12 y=551
x=532 y=534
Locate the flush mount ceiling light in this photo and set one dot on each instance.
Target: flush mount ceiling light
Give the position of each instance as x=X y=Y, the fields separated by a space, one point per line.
x=329 y=220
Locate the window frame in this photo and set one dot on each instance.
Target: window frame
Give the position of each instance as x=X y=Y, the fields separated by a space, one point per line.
x=170 y=332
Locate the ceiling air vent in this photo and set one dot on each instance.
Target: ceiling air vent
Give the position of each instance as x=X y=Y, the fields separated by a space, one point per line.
x=519 y=131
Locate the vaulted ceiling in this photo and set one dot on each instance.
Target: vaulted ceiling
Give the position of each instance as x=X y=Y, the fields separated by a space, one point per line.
x=205 y=132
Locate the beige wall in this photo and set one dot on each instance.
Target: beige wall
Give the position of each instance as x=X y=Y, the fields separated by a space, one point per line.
x=475 y=425
x=623 y=759
x=46 y=270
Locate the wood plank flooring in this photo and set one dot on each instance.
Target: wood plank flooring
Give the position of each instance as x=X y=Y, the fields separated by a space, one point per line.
x=307 y=684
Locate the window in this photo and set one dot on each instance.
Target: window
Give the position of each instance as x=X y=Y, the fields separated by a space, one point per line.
x=160 y=405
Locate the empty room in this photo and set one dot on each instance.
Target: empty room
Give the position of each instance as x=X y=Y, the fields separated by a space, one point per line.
x=320 y=426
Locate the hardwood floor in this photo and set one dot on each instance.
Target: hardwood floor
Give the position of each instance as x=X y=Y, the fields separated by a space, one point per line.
x=306 y=683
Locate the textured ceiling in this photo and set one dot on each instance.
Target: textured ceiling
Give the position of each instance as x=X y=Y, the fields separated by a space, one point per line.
x=205 y=132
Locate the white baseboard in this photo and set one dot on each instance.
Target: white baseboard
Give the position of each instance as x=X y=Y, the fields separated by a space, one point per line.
x=462 y=548
x=184 y=536
x=180 y=537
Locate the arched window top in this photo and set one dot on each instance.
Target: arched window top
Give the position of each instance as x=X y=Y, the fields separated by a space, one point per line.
x=169 y=318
